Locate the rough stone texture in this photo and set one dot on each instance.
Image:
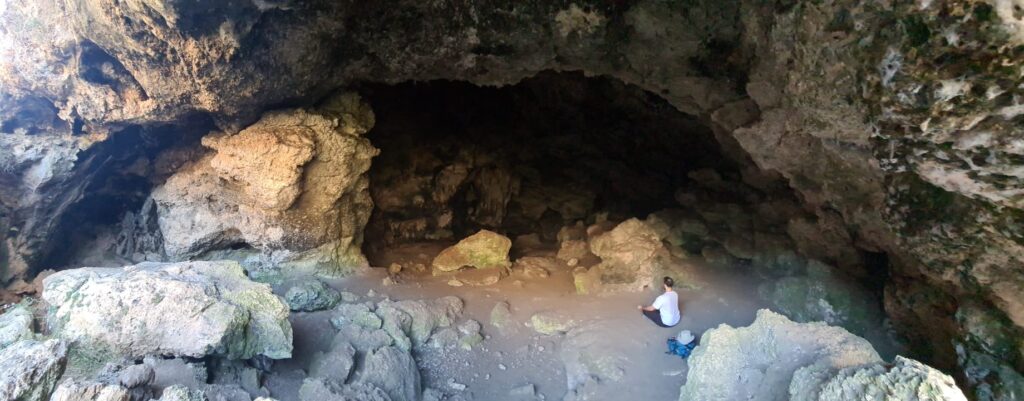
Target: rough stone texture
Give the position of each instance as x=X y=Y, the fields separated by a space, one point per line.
x=319 y=390
x=777 y=359
x=551 y=323
x=592 y=364
x=31 y=369
x=311 y=295
x=15 y=325
x=393 y=370
x=334 y=365
x=899 y=117
x=182 y=393
x=70 y=390
x=483 y=250
x=630 y=257
x=292 y=184
x=906 y=379
x=182 y=309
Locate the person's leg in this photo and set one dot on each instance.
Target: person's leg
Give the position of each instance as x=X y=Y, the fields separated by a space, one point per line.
x=655 y=317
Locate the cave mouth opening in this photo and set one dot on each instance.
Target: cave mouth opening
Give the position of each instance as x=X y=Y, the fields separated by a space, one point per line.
x=526 y=159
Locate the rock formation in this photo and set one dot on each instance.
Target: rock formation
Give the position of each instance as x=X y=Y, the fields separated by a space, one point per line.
x=189 y=309
x=896 y=123
x=777 y=359
x=292 y=185
x=31 y=369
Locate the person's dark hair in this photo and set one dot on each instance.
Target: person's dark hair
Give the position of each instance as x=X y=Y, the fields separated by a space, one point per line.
x=669 y=282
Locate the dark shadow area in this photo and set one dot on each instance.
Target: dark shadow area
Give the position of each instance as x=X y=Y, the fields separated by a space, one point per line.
x=528 y=158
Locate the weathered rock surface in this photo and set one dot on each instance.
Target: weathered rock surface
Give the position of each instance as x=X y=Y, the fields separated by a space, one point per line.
x=292 y=184
x=15 y=325
x=904 y=379
x=31 y=369
x=483 y=250
x=70 y=390
x=182 y=309
x=311 y=295
x=551 y=323
x=592 y=363
x=630 y=257
x=776 y=359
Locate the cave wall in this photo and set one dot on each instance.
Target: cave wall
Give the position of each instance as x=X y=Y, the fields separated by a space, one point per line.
x=897 y=121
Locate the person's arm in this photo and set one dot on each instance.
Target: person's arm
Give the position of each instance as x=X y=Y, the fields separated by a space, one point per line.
x=657 y=305
x=646 y=308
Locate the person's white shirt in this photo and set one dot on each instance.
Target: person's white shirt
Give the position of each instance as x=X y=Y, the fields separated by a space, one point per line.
x=667 y=305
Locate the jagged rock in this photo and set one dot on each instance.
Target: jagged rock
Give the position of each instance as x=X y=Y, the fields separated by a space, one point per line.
x=905 y=379
x=483 y=250
x=445 y=338
x=363 y=340
x=551 y=323
x=311 y=295
x=526 y=391
x=183 y=309
x=320 y=390
x=31 y=369
x=182 y=393
x=334 y=365
x=416 y=320
x=730 y=362
x=15 y=325
x=70 y=390
x=630 y=254
x=392 y=370
x=248 y=190
x=357 y=314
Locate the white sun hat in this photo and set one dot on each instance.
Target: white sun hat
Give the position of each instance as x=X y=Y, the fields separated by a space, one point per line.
x=685 y=337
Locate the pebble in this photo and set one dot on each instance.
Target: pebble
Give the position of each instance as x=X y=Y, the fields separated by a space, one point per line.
x=502 y=366
x=455 y=283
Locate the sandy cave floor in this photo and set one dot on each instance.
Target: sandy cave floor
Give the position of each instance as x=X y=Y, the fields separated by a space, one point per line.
x=523 y=356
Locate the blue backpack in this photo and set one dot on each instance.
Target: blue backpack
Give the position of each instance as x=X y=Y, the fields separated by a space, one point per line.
x=677 y=348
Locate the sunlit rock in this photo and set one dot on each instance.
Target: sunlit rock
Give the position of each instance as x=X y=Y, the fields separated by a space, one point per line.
x=483 y=250
x=182 y=309
x=31 y=369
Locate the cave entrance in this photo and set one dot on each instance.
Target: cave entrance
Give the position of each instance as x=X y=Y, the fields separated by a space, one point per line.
x=525 y=159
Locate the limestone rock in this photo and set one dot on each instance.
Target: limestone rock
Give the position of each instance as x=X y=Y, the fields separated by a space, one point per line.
x=551 y=323
x=802 y=360
x=483 y=250
x=292 y=181
x=311 y=295
x=334 y=365
x=70 y=390
x=630 y=254
x=394 y=371
x=357 y=314
x=319 y=390
x=184 y=309
x=533 y=267
x=477 y=277
x=15 y=325
x=592 y=364
x=906 y=379
x=31 y=369
x=471 y=337
x=182 y=393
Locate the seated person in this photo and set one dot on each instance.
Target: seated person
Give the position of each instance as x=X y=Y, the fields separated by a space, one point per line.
x=665 y=310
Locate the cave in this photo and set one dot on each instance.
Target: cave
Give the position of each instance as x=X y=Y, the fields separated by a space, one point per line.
x=396 y=201
x=526 y=159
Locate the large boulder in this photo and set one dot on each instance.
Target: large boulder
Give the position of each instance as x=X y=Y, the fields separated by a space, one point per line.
x=630 y=255
x=71 y=390
x=775 y=359
x=905 y=380
x=483 y=250
x=293 y=183
x=15 y=325
x=188 y=309
x=30 y=369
